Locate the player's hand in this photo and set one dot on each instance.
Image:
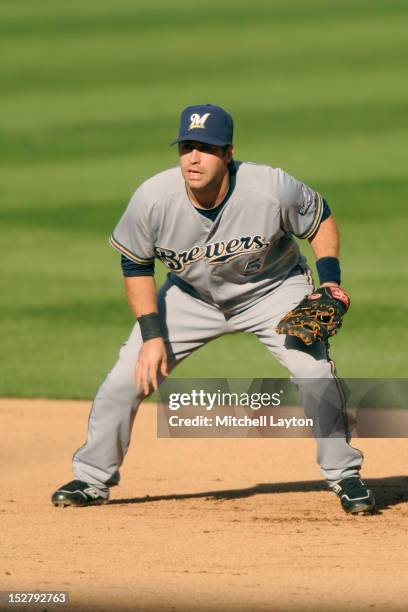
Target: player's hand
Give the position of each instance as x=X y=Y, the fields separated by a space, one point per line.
x=152 y=361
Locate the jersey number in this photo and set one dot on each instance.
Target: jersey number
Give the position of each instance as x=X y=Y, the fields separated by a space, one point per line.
x=253 y=266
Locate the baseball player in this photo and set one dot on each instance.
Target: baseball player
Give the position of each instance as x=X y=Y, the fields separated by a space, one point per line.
x=225 y=230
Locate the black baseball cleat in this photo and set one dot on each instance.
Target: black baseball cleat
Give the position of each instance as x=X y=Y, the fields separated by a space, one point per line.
x=78 y=493
x=354 y=496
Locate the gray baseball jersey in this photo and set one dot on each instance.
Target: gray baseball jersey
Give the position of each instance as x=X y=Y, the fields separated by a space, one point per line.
x=240 y=257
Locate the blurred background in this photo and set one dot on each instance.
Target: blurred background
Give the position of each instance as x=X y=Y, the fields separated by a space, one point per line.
x=91 y=96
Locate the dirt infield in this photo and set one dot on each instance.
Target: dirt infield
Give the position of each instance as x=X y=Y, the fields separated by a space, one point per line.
x=197 y=524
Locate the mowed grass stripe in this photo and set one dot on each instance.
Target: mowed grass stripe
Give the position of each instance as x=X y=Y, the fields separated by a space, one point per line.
x=38 y=110
x=86 y=17
x=228 y=40
x=142 y=73
x=102 y=139
x=114 y=60
x=310 y=158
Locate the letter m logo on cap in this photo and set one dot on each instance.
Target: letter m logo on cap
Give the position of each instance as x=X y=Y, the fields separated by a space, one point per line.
x=198 y=121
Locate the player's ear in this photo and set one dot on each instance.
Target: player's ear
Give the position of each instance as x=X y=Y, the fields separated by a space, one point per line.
x=229 y=153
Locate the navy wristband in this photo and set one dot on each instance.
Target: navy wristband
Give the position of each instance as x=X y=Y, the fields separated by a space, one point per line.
x=328 y=269
x=150 y=326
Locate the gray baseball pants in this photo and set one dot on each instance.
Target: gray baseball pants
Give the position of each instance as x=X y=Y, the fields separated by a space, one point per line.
x=190 y=323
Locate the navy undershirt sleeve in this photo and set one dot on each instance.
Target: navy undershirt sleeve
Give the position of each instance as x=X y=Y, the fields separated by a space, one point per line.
x=130 y=268
x=325 y=215
x=326 y=211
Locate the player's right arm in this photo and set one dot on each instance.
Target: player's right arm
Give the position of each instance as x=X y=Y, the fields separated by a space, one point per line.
x=152 y=360
x=133 y=237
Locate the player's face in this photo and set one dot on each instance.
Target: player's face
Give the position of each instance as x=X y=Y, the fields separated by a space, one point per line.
x=203 y=166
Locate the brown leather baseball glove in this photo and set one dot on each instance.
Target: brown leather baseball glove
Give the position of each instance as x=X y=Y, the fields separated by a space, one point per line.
x=318 y=316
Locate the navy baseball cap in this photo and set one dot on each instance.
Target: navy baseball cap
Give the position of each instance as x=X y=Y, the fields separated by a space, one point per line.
x=206 y=123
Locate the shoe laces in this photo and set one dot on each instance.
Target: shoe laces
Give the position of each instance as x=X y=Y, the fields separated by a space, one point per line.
x=354 y=486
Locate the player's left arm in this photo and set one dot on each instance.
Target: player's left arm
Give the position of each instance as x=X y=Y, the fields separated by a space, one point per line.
x=325 y=244
x=306 y=214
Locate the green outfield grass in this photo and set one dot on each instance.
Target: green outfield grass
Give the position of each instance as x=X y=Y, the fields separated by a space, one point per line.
x=91 y=94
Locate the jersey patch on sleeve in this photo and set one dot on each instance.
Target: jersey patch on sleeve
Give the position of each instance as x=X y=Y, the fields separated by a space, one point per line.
x=317 y=218
x=306 y=200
